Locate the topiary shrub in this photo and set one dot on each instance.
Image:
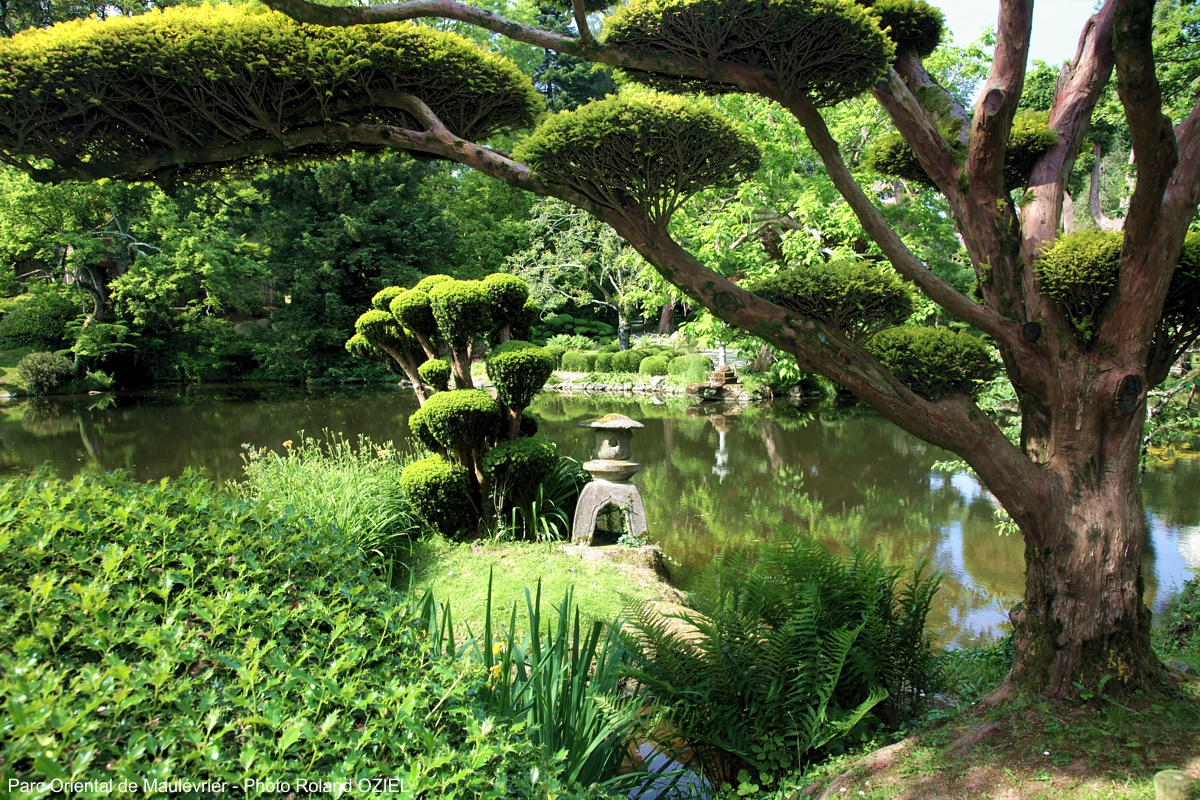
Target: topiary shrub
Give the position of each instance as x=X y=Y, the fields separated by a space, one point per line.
x=830 y=50
x=556 y=351
x=38 y=320
x=654 y=365
x=414 y=311
x=682 y=365
x=519 y=370
x=650 y=152
x=912 y=24
x=628 y=360
x=603 y=362
x=439 y=492
x=420 y=431
x=855 y=297
x=382 y=300
x=506 y=296
x=43 y=373
x=579 y=361
x=518 y=464
x=934 y=362
x=1079 y=271
x=435 y=373
x=461 y=309
x=379 y=328
x=427 y=283
x=611 y=347
x=462 y=421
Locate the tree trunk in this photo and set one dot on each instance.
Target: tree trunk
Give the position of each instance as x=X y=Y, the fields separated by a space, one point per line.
x=623 y=330
x=460 y=368
x=666 y=319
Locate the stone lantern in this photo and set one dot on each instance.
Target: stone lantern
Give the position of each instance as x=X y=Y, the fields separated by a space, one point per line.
x=611 y=470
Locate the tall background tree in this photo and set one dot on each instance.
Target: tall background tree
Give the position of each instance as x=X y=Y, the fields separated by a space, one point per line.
x=1082 y=335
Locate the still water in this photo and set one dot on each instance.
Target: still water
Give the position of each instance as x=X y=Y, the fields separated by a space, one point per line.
x=709 y=479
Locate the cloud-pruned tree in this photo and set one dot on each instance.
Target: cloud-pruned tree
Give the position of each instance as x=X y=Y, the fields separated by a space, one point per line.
x=1071 y=482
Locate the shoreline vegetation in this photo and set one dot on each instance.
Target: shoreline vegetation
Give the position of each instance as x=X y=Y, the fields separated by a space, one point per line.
x=150 y=604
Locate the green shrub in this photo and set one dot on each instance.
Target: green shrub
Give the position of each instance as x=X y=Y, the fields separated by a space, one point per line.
x=529 y=424
x=165 y=627
x=435 y=373
x=379 y=328
x=934 y=362
x=506 y=296
x=1182 y=306
x=350 y=488
x=461 y=421
x=578 y=361
x=628 y=360
x=420 y=431
x=439 y=493
x=652 y=152
x=427 y=283
x=654 y=365
x=519 y=370
x=1079 y=271
x=38 y=320
x=611 y=347
x=912 y=24
x=382 y=300
x=1179 y=633
x=413 y=310
x=43 y=373
x=681 y=365
x=571 y=341
x=855 y=297
x=519 y=464
x=556 y=351
x=784 y=655
x=461 y=310
x=603 y=362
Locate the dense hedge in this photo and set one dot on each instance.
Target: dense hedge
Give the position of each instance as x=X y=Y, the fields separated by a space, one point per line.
x=435 y=373
x=628 y=360
x=692 y=362
x=603 y=362
x=855 y=297
x=912 y=24
x=580 y=360
x=439 y=492
x=519 y=370
x=519 y=464
x=831 y=50
x=653 y=365
x=92 y=94
x=934 y=362
x=460 y=420
x=652 y=152
x=43 y=373
x=161 y=632
x=38 y=320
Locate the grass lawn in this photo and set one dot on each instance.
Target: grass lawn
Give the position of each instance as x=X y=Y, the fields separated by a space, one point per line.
x=9 y=382
x=458 y=573
x=1032 y=751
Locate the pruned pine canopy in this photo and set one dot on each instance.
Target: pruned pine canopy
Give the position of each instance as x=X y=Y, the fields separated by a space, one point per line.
x=136 y=96
x=650 y=152
x=831 y=50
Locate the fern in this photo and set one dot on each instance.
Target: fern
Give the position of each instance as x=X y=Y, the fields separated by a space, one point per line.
x=786 y=653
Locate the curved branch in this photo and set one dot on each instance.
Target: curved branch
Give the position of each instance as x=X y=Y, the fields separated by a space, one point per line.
x=585 y=33
x=998 y=100
x=1003 y=330
x=921 y=132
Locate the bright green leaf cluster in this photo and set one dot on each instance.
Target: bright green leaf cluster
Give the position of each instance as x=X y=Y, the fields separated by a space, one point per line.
x=912 y=24
x=831 y=50
x=935 y=362
x=652 y=152
x=519 y=464
x=413 y=310
x=1079 y=271
x=460 y=421
x=519 y=370
x=109 y=95
x=439 y=492
x=855 y=297
x=461 y=310
x=435 y=373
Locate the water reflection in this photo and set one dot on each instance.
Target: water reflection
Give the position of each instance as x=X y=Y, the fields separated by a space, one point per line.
x=713 y=477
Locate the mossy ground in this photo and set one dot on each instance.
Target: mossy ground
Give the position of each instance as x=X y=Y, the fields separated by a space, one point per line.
x=458 y=573
x=1031 y=751
x=9 y=380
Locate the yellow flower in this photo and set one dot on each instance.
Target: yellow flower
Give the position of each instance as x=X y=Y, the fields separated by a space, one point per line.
x=495 y=670
x=498 y=648
x=288 y=443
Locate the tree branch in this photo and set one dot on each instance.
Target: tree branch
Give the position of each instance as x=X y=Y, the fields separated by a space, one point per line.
x=998 y=101
x=585 y=33
x=920 y=131
x=1000 y=328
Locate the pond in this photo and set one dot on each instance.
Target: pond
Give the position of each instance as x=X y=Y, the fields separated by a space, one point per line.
x=711 y=477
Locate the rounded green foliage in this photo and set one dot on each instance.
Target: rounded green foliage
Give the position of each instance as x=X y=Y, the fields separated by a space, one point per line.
x=461 y=311
x=379 y=328
x=461 y=420
x=694 y=362
x=360 y=347
x=529 y=424
x=912 y=24
x=628 y=360
x=1079 y=271
x=430 y=281
x=1030 y=138
x=611 y=347
x=419 y=429
x=654 y=365
x=506 y=296
x=414 y=311
x=603 y=362
x=652 y=152
x=135 y=96
x=39 y=320
x=1181 y=310
x=435 y=373
x=831 y=50
x=934 y=362
x=855 y=297
x=382 y=300
x=519 y=464
x=43 y=373
x=439 y=492
x=519 y=370
x=578 y=361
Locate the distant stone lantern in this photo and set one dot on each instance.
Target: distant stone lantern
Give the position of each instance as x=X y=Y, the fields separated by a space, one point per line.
x=611 y=470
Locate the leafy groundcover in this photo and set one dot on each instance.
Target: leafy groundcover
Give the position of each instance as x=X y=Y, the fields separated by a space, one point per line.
x=158 y=637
